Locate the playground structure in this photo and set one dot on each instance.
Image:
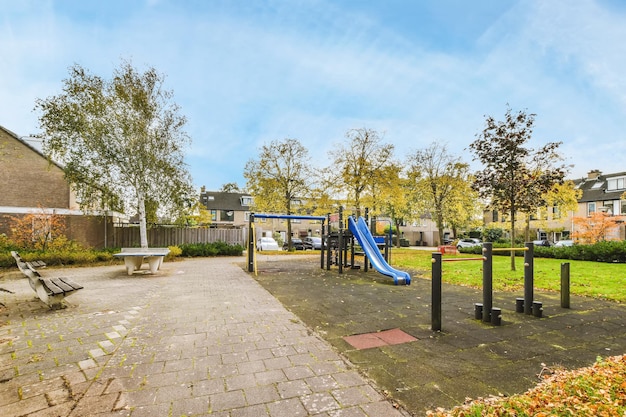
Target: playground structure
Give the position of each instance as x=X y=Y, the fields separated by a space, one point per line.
x=252 y=233
x=342 y=242
x=337 y=245
x=485 y=311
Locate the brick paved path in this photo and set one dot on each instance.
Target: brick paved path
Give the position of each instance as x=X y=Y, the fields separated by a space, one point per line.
x=199 y=338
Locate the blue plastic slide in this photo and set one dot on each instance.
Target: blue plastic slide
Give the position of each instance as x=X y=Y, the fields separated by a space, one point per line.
x=366 y=240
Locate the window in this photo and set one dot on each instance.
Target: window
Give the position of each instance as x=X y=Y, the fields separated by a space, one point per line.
x=227 y=215
x=591 y=208
x=494 y=215
x=607 y=207
x=246 y=201
x=615 y=184
x=210 y=197
x=556 y=213
x=246 y=216
x=213 y=215
x=623 y=211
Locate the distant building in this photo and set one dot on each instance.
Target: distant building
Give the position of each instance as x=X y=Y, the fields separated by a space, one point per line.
x=227 y=209
x=600 y=192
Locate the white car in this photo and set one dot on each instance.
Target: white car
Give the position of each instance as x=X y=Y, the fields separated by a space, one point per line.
x=266 y=243
x=468 y=243
x=566 y=242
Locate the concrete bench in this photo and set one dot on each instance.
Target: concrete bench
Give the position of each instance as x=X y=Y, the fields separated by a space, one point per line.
x=51 y=291
x=135 y=257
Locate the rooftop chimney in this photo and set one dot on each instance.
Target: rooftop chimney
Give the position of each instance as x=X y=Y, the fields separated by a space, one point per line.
x=594 y=173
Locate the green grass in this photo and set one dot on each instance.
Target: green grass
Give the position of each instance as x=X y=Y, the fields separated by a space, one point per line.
x=591 y=279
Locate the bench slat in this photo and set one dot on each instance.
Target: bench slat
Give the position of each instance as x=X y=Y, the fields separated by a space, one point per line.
x=71 y=283
x=52 y=287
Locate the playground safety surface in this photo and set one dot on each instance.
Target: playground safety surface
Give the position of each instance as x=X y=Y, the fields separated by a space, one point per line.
x=468 y=358
x=203 y=337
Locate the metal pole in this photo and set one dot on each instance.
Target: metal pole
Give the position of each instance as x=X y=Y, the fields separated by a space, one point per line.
x=250 y=244
x=529 y=278
x=326 y=243
x=340 y=241
x=487 y=281
x=366 y=262
x=322 y=245
x=565 y=281
x=436 y=292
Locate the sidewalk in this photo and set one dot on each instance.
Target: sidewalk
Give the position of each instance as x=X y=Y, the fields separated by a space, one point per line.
x=199 y=338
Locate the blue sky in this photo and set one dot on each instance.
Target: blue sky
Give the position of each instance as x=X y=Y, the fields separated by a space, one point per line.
x=246 y=72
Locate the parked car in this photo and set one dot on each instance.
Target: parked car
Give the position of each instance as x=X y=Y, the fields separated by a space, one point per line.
x=295 y=243
x=542 y=243
x=468 y=243
x=312 y=242
x=267 y=243
x=565 y=242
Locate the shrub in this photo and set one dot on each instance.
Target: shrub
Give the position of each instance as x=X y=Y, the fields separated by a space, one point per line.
x=175 y=252
x=211 y=249
x=492 y=234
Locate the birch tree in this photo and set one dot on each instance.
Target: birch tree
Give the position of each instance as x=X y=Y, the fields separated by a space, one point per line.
x=120 y=140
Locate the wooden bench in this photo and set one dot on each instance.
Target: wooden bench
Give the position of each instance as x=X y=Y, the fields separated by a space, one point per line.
x=51 y=291
x=135 y=257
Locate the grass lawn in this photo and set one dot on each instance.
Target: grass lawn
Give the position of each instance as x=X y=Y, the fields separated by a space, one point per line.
x=592 y=279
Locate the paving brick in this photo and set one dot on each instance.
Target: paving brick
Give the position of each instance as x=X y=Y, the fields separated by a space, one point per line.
x=190 y=406
x=319 y=403
x=287 y=408
x=270 y=377
x=227 y=400
x=292 y=389
x=209 y=386
x=322 y=383
x=93 y=405
x=259 y=395
x=23 y=407
x=63 y=409
x=240 y=381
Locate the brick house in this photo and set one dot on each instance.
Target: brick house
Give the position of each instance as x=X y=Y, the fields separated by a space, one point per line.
x=599 y=193
x=30 y=183
x=603 y=192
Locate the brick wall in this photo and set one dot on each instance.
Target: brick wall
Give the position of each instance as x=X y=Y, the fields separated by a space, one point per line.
x=26 y=177
x=89 y=231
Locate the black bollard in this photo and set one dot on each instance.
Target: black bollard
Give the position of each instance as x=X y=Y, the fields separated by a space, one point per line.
x=487 y=281
x=565 y=282
x=529 y=278
x=436 y=292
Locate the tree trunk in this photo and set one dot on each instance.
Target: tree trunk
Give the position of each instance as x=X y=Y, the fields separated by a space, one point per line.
x=143 y=228
x=397 y=223
x=512 y=239
x=440 y=226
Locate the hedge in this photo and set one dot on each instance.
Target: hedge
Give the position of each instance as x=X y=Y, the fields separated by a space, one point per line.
x=606 y=251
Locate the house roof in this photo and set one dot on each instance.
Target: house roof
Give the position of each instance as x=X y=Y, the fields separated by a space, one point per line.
x=217 y=200
x=595 y=189
x=28 y=145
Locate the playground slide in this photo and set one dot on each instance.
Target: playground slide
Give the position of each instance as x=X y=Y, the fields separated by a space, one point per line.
x=363 y=235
